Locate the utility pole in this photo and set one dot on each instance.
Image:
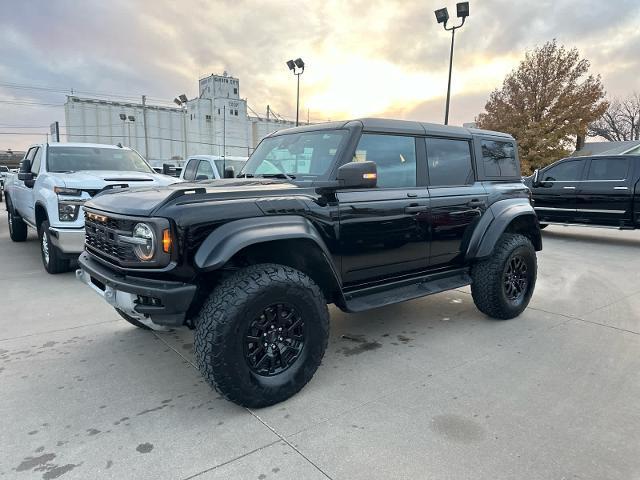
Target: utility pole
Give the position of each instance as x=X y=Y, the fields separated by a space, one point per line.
x=144 y=124
x=268 y=112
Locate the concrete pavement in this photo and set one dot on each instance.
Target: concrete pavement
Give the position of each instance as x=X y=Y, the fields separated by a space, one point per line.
x=425 y=389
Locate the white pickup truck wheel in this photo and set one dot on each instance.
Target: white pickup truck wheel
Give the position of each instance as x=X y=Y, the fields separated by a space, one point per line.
x=17 y=228
x=52 y=258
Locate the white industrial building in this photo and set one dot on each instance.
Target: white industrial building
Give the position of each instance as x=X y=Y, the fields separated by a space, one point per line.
x=215 y=123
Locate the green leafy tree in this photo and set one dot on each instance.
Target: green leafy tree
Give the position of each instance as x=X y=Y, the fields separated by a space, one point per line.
x=545 y=103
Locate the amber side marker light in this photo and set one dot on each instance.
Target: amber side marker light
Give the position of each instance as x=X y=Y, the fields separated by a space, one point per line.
x=369 y=176
x=166 y=241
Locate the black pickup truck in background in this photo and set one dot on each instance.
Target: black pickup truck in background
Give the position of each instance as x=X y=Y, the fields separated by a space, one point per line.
x=599 y=190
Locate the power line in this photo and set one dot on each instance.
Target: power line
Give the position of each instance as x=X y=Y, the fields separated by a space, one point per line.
x=125 y=137
x=31 y=104
x=73 y=92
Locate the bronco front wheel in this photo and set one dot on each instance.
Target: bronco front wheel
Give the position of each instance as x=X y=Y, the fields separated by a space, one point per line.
x=261 y=334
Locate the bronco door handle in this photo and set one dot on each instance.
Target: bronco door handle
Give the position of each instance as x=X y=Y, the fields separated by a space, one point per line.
x=475 y=203
x=416 y=209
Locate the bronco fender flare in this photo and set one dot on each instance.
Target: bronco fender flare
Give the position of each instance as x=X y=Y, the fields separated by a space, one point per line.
x=496 y=220
x=227 y=240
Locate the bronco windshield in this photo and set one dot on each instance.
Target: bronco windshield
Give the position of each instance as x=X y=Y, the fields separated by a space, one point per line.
x=303 y=156
x=73 y=159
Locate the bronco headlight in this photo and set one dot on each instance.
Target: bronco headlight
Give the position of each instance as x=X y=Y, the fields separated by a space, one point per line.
x=145 y=246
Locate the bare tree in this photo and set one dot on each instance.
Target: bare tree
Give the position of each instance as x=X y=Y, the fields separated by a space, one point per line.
x=620 y=122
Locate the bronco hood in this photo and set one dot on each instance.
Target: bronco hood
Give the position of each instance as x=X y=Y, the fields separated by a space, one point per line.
x=144 y=201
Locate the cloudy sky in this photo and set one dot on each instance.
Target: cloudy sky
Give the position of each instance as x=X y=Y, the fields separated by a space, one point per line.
x=364 y=57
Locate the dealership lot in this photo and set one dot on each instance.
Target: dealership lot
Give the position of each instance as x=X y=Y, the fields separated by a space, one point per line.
x=425 y=389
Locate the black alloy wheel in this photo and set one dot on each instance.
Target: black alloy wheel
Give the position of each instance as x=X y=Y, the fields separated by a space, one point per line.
x=274 y=340
x=515 y=278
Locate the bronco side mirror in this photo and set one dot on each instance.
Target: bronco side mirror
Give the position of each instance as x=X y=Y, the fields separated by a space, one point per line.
x=358 y=175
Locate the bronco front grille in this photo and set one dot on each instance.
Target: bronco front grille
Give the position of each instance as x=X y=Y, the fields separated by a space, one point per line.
x=102 y=238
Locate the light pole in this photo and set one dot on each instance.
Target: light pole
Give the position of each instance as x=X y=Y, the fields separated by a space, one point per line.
x=124 y=119
x=442 y=16
x=297 y=67
x=132 y=119
x=181 y=101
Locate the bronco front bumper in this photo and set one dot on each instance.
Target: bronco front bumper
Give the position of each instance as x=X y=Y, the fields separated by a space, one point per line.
x=151 y=302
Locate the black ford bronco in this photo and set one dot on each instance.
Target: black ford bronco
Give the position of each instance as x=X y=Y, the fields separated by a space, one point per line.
x=360 y=214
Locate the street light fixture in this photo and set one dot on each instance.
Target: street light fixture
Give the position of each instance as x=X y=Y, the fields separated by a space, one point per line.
x=442 y=16
x=181 y=101
x=124 y=118
x=297 y=67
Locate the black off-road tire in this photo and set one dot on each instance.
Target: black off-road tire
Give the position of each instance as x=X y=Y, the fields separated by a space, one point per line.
x=488 y=278
x=132 y=320
x=52 y=257
x=225 y=317
x=17 y=228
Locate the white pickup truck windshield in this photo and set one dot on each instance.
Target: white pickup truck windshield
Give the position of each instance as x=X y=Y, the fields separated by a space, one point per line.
x=73 y=159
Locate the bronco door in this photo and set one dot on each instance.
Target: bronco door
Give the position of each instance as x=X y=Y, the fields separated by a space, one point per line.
x=457 y=198
x=384 y=230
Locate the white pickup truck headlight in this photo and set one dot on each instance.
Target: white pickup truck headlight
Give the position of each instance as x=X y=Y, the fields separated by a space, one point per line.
x=68 y=212
x=145 y=247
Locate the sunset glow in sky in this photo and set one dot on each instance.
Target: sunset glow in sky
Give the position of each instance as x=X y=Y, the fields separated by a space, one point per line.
x=364 y=58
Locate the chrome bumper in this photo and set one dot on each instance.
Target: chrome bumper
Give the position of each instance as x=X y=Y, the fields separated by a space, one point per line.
x=68 y=240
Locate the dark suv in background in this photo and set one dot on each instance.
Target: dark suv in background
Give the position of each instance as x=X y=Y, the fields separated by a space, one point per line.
x=360 y=214
x=598 y=190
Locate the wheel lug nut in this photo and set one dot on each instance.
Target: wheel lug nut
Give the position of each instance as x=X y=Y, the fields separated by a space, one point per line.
x=265 y=344
x=280 y=329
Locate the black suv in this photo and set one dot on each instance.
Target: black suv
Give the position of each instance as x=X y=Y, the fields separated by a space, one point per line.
x=361 y=214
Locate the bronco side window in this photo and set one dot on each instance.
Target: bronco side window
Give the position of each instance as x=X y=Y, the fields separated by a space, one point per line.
x=449 y=162
x=395 y=158
x=499 y=159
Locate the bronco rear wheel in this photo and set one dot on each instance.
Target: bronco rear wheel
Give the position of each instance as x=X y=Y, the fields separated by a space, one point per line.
x=503 y=283
x=261 y=334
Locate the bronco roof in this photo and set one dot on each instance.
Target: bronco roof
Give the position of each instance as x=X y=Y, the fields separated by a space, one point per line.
x=395 y=126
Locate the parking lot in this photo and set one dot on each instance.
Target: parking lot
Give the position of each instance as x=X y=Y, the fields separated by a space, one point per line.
x=425 y=389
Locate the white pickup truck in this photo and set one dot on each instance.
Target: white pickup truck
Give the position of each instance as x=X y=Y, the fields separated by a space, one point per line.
x=209 y=167
x=53 y=183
